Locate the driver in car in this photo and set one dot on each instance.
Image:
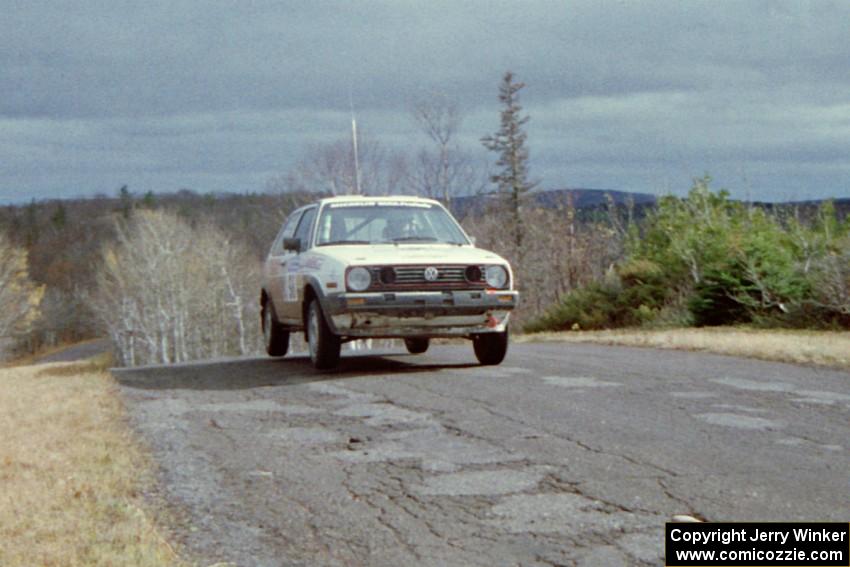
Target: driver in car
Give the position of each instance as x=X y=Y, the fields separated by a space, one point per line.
x=397 y=228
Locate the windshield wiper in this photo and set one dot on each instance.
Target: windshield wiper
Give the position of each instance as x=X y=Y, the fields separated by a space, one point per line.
x=414 y=238
x=338 y=242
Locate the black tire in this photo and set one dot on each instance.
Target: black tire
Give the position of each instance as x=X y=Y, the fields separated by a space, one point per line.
x=416 y=346
x=324 y=345
x=275 y=336
x=490 y=348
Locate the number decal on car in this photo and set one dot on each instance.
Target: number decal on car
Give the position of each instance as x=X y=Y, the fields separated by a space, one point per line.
x=290 y=287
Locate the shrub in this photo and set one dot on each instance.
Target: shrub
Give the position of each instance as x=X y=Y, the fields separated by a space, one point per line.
x=631 y=295
x=706 y=260
x=592 y=307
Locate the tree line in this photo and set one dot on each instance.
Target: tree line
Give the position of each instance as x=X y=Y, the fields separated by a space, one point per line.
x=175 y=277
x=64 y=245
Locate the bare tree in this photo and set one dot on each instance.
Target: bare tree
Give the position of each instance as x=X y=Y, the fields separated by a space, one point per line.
x=330 y=169
x=830 y=276
x=443 y=171
x=169 y=292
x=439 y=118
x=560 y=253
x=20 y=298
x=327 y=168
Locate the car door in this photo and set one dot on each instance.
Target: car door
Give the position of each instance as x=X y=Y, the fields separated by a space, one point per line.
x=293 y=269
x=276 y=262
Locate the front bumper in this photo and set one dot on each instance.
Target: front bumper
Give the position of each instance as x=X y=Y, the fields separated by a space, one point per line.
x=420 y=313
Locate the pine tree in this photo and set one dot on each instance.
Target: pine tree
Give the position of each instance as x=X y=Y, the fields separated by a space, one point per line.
x=125 y=202
x=60 y=217
x=149 y=200
x=512 y=177
x=32 y=229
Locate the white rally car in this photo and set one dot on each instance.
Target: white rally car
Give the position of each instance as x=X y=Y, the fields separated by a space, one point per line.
x=354 y=267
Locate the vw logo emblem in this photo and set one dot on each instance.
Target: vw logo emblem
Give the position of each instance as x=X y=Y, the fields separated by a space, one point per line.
x=431 y=274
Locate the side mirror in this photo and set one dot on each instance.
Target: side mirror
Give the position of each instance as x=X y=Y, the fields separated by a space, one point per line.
x=293 y=244
x=472 y=240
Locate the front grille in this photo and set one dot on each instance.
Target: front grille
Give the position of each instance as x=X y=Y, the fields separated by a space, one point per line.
x=448 y=277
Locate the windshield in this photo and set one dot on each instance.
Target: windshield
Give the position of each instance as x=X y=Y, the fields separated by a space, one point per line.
x=379 y=222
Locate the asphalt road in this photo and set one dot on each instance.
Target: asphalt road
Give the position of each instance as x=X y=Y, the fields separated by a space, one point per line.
x=78 y=351
x=563 y=455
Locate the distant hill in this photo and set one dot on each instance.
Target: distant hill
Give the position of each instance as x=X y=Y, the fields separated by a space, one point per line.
x=588 y=201
x=842 y=206
x=582 y=199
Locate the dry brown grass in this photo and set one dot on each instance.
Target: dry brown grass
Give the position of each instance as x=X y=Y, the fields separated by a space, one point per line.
x=71 y=476
x=828 y=348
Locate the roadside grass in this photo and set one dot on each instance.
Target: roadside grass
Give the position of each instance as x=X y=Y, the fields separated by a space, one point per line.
x=71 y=476
x=829 y=348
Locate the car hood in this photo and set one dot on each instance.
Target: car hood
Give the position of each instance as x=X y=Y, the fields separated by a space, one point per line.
x=410 y=254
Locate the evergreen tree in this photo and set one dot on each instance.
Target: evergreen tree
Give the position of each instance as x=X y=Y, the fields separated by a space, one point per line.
x=60 y=217
x=125 y=202
x=149 y=200
x=32 y=228
x=512 y=177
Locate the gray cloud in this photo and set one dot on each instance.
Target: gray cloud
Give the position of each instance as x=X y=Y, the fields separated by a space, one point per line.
x=222 y=95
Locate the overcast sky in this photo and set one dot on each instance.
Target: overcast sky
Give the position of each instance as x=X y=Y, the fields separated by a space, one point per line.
x=221 y=96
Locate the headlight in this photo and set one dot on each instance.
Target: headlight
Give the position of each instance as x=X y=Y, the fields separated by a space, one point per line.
x=358 y=279
x=497 y=277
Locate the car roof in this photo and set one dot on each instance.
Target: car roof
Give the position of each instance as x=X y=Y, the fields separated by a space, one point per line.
x=374 y=198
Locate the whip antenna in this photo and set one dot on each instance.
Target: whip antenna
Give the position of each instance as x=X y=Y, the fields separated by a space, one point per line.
x=354 y=145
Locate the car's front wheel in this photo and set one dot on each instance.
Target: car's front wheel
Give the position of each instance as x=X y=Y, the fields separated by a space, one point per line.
x=490 y=348
x=275 y=336
x=324 y=345
x=416 y=346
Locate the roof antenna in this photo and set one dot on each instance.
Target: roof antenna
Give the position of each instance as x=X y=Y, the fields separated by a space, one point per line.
x=354 y=145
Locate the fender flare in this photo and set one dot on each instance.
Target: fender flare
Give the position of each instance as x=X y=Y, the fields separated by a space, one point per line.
x=313 y=283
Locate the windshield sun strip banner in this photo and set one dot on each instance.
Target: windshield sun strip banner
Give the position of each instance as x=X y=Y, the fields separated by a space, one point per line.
x=380 y=204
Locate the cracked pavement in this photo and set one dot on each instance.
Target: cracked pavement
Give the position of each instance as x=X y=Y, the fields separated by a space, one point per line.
x=565 y=454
